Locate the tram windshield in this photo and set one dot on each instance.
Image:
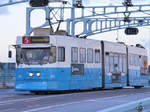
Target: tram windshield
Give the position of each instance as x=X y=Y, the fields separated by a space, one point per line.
x=36 y=55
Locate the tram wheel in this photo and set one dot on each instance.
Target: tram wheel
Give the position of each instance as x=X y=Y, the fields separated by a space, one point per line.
x=138 y=87
x=34 y=92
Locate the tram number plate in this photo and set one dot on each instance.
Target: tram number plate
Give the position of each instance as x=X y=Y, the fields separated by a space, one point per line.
x=77 y=69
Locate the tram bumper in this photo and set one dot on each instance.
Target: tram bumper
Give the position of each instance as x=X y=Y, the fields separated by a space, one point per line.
x=31 y=86
x=38 y=86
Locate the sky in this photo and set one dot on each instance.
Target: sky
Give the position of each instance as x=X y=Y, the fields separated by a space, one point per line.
x=13 y=23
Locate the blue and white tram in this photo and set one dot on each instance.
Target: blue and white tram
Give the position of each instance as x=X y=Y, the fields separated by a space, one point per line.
x=55 y=63
x=58 y=63
x=114 y=65
x=137 y=66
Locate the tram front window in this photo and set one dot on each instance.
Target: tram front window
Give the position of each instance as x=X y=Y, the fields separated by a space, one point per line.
x=37 y=55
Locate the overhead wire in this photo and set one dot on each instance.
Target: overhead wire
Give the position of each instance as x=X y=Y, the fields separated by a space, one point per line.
x=92 y=11
x=144 y=12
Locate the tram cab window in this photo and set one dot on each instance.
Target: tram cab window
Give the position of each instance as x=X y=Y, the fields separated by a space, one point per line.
x=90 y=55
x=97 y=56
x=82 y=55
x=61 y=54
x=74 y=55
x=37 y=55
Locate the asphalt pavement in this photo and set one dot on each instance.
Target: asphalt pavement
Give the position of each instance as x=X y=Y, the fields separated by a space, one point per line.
x=87 y=101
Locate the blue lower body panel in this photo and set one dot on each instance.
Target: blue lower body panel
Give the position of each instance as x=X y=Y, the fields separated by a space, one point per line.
x=56 y=79
x=109 y=84
x=136 y=79
x=41 y=86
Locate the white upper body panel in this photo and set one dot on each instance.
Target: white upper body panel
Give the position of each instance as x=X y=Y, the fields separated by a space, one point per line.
x=137 y=51
x=114 y=47
x=67 y=42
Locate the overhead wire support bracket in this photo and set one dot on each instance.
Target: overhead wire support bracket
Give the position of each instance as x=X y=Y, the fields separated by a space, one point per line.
x=101 y=19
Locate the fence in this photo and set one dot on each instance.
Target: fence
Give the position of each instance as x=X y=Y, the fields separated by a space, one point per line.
x=7 y=74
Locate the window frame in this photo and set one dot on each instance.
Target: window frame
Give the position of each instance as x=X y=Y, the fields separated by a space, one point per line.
x=121 y=62
x=97 y=59
x=124 y=70
x=107 y=62
x=88 y=59
x=82 y=60
x=111 y=64
x=72 y=60
x=61 y=52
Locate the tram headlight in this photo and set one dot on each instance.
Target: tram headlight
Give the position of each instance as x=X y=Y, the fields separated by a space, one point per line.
x=109 y=74
x=123 y=74
x=31 y=74
x=38 y=74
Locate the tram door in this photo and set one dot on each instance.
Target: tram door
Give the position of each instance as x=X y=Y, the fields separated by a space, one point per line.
x=116 y=75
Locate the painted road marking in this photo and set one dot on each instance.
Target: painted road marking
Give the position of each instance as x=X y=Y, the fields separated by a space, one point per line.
x=90 y=100
x=38 y=98
x=61 y=105
x=31 y=99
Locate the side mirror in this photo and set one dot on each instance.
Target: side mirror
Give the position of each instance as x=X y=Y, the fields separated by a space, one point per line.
x=9 y=54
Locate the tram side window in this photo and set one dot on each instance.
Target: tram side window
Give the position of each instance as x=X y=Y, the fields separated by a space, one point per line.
x=107 y=62
x=143 y=64
x=116 y=63
x=120 y=63
x=90 y=55
x=74 y=55
x=136 y=60
x=97 y=56
x=82 y=55
x=61 y=54
x=141 y=61
x=124 y=63
x=131 y=59
x=111 y=63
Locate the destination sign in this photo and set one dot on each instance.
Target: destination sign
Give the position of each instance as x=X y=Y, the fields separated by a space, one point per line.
x=35 y=40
